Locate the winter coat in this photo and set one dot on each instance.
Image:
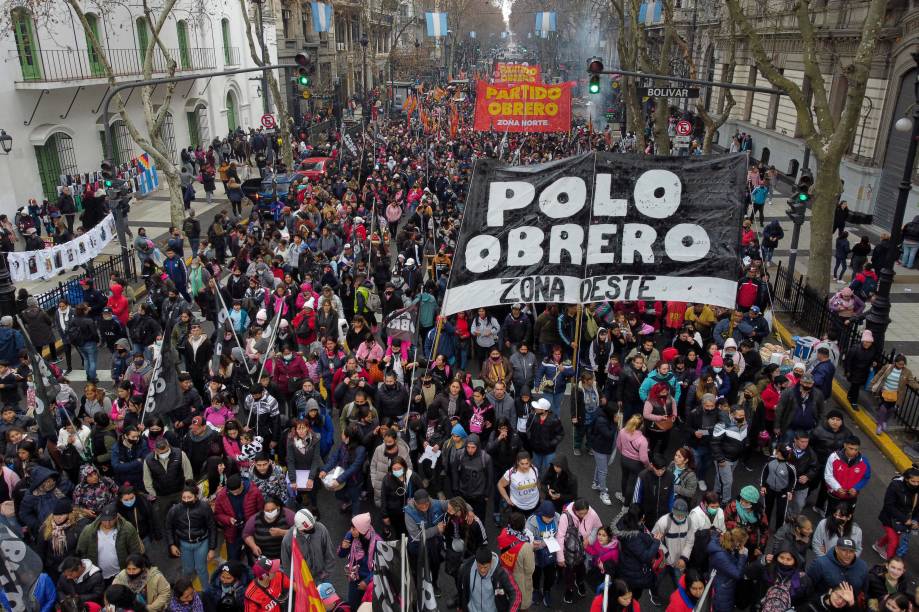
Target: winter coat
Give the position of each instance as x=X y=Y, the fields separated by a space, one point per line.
x=36 y=505
x=507 y=595
x=730 y=567
x=127 y=542
x=637 y=550
x=790 y=404
x=844 y=473
x=907 y=379
x=39 y=325
x=544 y=436
x=827 y=572
x=901 y=504
x=380 y=464
x=858 y=363
x=225 y=515
x=89 y=587
x=157 y=592
x=472 y=476
x=602 y=435
x=317 y=550
x=678 y=538
x=654 y=494
x=825 y=441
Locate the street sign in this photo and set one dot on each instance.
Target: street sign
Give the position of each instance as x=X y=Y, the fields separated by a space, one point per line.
x=683 y=127
x=268 y=121
x=307 y=94
x=682 y=141
x=669 y=92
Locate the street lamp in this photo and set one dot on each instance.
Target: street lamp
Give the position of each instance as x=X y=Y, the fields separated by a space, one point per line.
x=364 y=42
x=6 y=142
x=879 y=316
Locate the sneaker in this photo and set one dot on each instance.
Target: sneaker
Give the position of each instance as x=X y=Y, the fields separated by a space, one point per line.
x=819 y=511
x=619 y=496
x=855 y=407
x=878 y=429
x=582 y=589
x=568 y=598
x=577 y=452
x=884 y=426
x=67 y=371
x=702 y=486
x=537 y=596
x=595 y=486
x=653 y=599
x=547 y=599
x=604 y=497
x=880 y=551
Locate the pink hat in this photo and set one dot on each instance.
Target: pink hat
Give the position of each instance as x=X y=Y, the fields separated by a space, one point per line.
x=867 y=336
x=361 y=522
x=717 y=361
x=846 y=292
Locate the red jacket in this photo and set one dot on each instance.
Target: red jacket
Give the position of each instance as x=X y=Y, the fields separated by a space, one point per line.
x=253 y=502
x=770 y=397
x=257 y=600
x=282 y=372
x=679 y=599
x=308 y=339
x=119 y=304
x=597 y=605
x=842 y=473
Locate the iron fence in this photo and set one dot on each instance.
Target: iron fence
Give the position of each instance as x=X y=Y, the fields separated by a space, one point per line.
x=811 y=312
x=52 y=65
x=100 y=270
x=231 y=56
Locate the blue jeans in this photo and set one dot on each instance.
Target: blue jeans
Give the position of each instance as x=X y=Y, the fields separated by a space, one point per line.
x=908 y=255
x=89 y=350
x=601 y=467
x=194 y=559
x=541 y=462
x=555 y=401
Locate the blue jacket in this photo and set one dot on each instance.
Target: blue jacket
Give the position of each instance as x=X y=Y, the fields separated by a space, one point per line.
x=823 y=374
x=128 y=463
x=34 y=508
x=557 y=373
x=826 y=572
x=175 y=269
x=11 y=342
x=653 y=378
x=446 y=344
x=730 y=567
x=353 y=466
x=214 y=590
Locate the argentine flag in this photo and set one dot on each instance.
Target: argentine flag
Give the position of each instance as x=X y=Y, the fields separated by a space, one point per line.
x=650 y=14
x=437 y=24
x=322 y=17
x=545 y=22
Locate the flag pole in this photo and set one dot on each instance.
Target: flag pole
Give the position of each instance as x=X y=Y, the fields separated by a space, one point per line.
x=605 y=592
x=290 y=591
x=223 y=305
x=411 y=385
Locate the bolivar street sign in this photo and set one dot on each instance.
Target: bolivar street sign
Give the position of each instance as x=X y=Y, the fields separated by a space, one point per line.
x=668 y=92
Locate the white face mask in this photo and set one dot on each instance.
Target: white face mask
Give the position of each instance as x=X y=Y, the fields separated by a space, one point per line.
x=163 y=456
x=271 y=514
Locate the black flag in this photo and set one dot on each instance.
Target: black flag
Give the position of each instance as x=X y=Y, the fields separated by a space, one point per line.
x=402 y=324
x=388 y=575
x=46 y=388
x=20 y=568
x=427 y=601
x=163 y=393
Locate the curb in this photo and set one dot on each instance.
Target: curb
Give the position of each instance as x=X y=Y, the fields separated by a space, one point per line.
x=884 y=442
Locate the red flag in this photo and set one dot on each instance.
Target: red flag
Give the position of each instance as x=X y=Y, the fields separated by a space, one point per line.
x=306 y=595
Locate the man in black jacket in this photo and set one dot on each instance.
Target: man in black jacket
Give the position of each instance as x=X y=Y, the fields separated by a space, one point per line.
x=472 y=475
x=80 y=578
x=483 y=578
x=143 y=330
x=804 y=460
x=654 y=490
x=392 y=398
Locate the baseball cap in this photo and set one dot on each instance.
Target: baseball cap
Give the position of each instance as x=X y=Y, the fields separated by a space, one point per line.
x=755 y=309
x=264 y=566
x=846 y=544
x=109 y=512
x=304 y=519
x=541 y=404
x=197 y=421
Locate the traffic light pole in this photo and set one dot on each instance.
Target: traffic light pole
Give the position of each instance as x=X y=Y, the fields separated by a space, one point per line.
x=687 y=81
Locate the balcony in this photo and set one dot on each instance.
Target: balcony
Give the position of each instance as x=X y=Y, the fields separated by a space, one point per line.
x=230 y=56
x=64 y=66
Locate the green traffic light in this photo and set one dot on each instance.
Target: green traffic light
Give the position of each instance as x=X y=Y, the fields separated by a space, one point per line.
x=304 y=80
x=594 y=86
x=803 y=197
x=108 y=184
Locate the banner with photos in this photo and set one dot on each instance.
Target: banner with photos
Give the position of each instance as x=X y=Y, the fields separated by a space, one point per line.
x=46 y=263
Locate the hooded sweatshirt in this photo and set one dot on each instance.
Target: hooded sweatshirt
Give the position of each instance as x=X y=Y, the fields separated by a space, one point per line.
x=119 y=304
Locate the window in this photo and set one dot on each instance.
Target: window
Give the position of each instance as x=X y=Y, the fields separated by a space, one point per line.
x=143 y=38
x=26 y=44
x=54 y=158
x=225 y=31
x=96 y=65
x=169 y=137
x=124 y=144
x=231 y=112
x=184 y=54
x=197 y=126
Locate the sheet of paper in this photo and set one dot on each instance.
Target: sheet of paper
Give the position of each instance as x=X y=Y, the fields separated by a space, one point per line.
x=521 y=424
x=552 y=545
x=302 y=477
x=430 y=455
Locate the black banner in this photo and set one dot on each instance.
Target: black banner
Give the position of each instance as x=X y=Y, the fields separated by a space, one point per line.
x=388 y=575
x=600 y=226
x=402 y=324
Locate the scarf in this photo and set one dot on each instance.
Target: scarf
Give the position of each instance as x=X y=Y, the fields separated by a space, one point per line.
x=137 y=583
x=59 y=537
x=195 y=606
x=357 y=553
x=748 y=517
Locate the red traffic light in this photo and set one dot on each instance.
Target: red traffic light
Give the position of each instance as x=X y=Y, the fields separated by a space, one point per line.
x=595 y=66
x=303 y=60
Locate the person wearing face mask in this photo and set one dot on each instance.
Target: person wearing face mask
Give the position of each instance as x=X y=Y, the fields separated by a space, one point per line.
x=314 y=543
x=234 y=505
x=399 y=486
x=136 y=510
x=675 y=535
x=900 y=514
x=801 y=407
x=127 y=457
x=165 y=472
x=701 y=422
x=839 y=525
x=782 y=579
x=728 y=443
x=192 y=533
x=146 y=581
x=746 y=512
x=393 y=446
x=777 y=481
x=265 y=530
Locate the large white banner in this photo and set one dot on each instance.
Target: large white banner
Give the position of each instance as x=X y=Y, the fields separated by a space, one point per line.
x=46 y=263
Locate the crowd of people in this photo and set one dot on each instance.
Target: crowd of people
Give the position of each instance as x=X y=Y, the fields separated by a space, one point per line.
x=291 y=393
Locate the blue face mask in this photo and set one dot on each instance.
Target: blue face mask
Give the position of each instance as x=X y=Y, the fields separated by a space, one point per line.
x=398 y=473
x=129 y=503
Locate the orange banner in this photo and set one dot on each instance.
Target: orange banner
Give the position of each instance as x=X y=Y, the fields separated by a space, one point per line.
x=507 y=72
x=523 y=107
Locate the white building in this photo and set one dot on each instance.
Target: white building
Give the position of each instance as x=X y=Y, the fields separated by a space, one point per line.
x=51 y=86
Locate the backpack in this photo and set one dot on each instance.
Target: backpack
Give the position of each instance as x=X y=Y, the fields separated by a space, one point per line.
x=746 y=296
x=759 y=194
x=698 y=557
x=477 y=421
x=777 y=598
x=574 y=547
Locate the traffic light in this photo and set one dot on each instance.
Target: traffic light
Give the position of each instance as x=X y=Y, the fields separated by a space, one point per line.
x=108 y=173
x=304 y=69
x=594 y=86
x=800 y=200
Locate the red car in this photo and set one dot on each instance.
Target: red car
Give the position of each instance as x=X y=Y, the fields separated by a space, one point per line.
x=314 y=167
